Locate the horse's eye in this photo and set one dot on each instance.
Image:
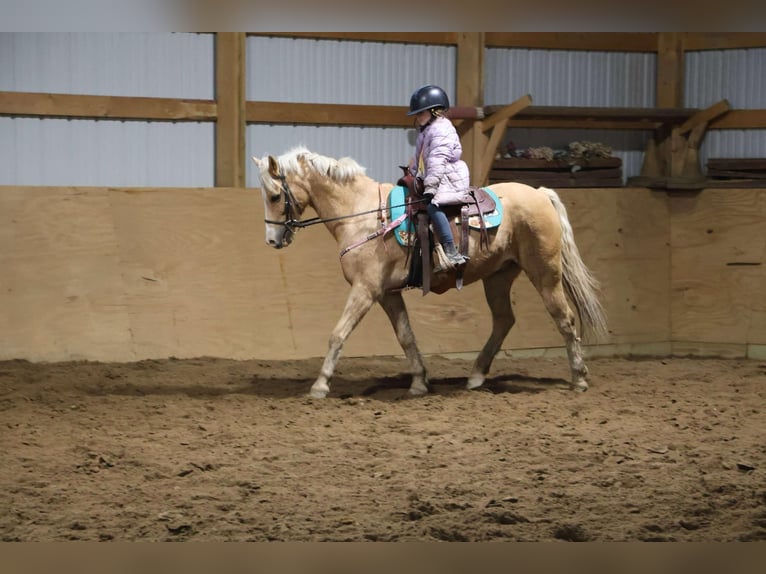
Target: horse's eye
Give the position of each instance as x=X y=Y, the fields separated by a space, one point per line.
x=274 y=198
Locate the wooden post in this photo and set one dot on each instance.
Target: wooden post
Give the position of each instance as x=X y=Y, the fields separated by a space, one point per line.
x=230 y=99
x=470 y=92
x=670 y=70
x=672 y=156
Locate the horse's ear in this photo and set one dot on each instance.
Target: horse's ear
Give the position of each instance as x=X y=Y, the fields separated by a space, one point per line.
x=261 y=163
x=273 y=167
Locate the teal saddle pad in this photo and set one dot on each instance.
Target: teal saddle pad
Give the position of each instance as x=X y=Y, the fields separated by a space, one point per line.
x=406 y=229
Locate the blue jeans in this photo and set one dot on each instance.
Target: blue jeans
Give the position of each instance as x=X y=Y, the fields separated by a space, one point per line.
x=441 y=224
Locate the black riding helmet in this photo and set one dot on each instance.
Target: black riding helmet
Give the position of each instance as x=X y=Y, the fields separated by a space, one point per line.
x=427 y=98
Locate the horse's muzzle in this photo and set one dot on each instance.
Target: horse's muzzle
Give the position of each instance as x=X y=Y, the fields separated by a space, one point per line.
x=280 y=240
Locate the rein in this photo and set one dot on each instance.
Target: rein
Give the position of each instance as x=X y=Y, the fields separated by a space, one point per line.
x=291 y=223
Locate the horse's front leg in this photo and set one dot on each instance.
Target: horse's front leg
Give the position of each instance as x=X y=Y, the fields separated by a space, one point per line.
x=359 y=301
x=393 y=305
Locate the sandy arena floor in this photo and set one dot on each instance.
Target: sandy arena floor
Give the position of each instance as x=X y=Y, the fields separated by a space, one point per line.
x=219 y=450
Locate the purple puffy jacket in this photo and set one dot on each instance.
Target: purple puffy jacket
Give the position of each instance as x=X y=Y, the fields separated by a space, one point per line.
x=445 y=173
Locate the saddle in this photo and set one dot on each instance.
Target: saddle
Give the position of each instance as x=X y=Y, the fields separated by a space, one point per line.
x=475 y=201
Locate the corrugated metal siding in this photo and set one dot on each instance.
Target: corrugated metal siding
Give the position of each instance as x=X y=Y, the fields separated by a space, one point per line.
x=574 y=78
x=82 y=152
x=738 y=76
x=565 y=78
x=344 y=72
x=105 y=153
x=341 y=72
x=108 y=64
x=379 y=150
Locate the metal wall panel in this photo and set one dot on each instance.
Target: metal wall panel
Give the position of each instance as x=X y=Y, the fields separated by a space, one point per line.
x=50 y=151
x=570 y=78
x=738 y=76
x=341 y=72
x=379 y=150
x=108 y=64
x=574 y=78
x=99 y=152
x=105 y=153
x=344 y=72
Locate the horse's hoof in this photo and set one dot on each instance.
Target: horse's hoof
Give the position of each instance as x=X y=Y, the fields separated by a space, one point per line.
x=318 y=394
x=580 y=387
x=474 y=383
x=418 y=391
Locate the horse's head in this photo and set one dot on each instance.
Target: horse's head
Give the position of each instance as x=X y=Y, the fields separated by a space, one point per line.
x=293 y=181
x=281 y=208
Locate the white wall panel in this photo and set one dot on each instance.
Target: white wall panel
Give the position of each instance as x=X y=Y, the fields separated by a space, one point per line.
x=100 y=152
x=567 y=78
x=379 y=150
x=733 y=144
x=736 y=75
x=344 y=72
x=341 y=72
x=110 y=64
x=105 y=153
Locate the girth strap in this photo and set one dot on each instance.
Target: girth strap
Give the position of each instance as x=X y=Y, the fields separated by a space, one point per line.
x=425 y=251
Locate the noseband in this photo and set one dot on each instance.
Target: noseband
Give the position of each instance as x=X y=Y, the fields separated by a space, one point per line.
x=290 y=222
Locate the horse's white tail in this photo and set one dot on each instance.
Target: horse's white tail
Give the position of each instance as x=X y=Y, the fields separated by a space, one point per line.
x=579 y=283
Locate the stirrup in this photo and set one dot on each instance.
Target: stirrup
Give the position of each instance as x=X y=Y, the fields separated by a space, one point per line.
x=457 y=259
x=444 y=262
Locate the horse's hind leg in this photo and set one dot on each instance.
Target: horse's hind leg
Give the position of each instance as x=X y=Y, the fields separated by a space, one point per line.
x=552 y=291
x=393 y=305
x=497 y=290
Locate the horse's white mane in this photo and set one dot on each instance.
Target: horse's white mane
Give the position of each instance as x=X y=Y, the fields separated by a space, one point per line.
x=341 y=170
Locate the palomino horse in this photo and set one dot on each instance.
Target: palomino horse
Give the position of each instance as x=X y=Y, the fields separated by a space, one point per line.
x=534 y=236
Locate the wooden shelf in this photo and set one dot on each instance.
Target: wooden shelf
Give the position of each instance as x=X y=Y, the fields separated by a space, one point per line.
x=564 y=172
x=595 y=117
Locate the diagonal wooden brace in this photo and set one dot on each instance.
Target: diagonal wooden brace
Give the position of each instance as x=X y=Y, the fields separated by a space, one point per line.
x=497 y=122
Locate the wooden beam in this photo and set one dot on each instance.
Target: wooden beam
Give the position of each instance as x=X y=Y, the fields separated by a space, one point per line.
x=327 y=114
x=740 y=120
x=230 y=95
x=434 y=38
x=587 y=113
x=597 y=41
x=584 y=124
x=498 y=123
x=724 y=40
x=470 y=92
x=586 y=41
x=507 y=111
x=489 y=153
x=704 y=116
x=31 y=104
x=670 y=70
x=28 y=104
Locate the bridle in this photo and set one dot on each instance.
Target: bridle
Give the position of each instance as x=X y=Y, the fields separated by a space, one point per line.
x=289 y=211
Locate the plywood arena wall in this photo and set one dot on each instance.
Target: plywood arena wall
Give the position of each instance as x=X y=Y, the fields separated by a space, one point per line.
x=129 y=274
